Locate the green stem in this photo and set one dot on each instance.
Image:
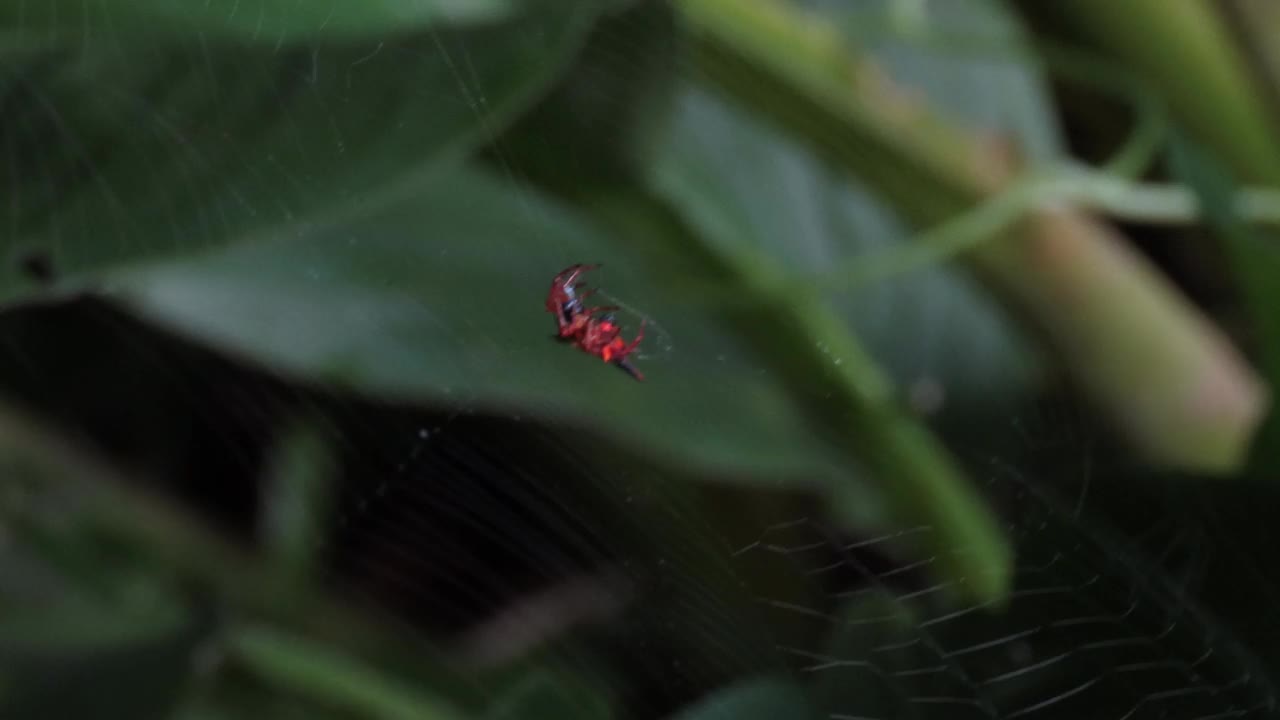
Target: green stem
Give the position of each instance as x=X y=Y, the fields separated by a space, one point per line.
x=841 y=386
x=1185 y=50
x=315 y=672
x=1109 y=313
x=799 y=75
x=921 y=480
x=1149 y=203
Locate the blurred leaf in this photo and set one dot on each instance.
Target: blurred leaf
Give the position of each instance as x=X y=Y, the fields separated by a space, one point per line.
x=1255 y=24
x=766 y=194
x=915 y=323
x=120 y=153
x=144 y=546
x=82 y=660
x=296 y=509
x=326 y=676
x=604 y=118
x=725 y=177
x=544 y=695
x=265 y=703
x=797 y=71
x=269 y=22
x=986 y=88
x=434 y=293
x=1253 y=254
x=766 y=699
x=1206 y=84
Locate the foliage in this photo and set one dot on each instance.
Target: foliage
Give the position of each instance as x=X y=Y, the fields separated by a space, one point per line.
x=932 y=406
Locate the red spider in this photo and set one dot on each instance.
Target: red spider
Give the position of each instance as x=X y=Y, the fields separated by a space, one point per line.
x=597 y=336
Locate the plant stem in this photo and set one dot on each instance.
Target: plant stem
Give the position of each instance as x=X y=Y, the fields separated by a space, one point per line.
x=856 y=406
x=1185 y=50
x=1150 y=203
x=317 y=673
x=924 y=484
x=1107 y=310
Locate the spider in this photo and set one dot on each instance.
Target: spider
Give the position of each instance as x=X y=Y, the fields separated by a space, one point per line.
x=599 y=336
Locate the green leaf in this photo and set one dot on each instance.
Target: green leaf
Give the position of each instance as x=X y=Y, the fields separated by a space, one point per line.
x=915 y=323
x=964 y=56
x=799 y=73
x=1206 y=84
x=1254 y=258
x=267 y=22
x=604 y=118
x=84 y=660
x=725 y=177
x=761 y=699
x=121 y=153
x=330 y=678
x=434 y=293
x=766 y=194
x=543 y=694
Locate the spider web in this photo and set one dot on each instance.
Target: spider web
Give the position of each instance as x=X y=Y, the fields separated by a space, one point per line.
x=1088 y=632
x=1097 y=625
x=521 y=545
x=499 y=537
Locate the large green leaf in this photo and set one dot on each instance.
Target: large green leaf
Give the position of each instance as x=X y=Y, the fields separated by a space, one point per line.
x=602 y=120
x=773 y=213
x=269 y=22
x=965 y=56
x=758 y=192
x=936 y=325
x=934 y=329
x=434 y=293
x=118 y=152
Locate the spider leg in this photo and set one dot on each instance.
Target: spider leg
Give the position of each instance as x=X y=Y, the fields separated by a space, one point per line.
x=629 y=368
x=617 y=354
x=574 y=326
x=568 y=275
x=636 y=342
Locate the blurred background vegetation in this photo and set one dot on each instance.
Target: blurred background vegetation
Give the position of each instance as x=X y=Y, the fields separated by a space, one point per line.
x=960 y=340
